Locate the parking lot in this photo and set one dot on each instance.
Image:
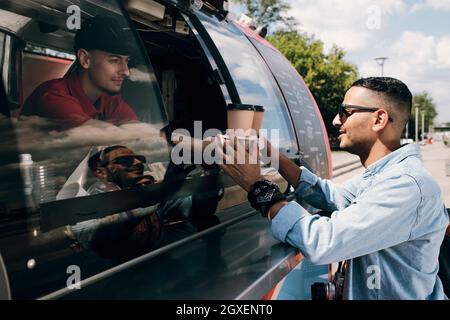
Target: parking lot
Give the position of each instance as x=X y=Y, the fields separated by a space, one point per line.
x=435 y=157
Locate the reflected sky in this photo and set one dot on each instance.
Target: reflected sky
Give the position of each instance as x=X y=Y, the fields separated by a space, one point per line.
x=250 y=75
x=306 y=116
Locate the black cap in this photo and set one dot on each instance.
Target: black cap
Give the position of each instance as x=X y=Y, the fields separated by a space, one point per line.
x=104 y=33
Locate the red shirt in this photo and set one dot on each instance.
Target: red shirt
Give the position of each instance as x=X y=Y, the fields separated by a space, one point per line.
x=64 y=102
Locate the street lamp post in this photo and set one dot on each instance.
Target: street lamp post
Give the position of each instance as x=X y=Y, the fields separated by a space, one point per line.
x=423 y=124
x=417 y=123
x=381 y=61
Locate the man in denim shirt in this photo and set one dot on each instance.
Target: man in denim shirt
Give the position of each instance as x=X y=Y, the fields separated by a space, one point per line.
x=388 y=223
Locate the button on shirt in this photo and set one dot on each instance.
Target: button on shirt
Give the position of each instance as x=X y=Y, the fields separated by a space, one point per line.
x=388 y=223
x=64 y=102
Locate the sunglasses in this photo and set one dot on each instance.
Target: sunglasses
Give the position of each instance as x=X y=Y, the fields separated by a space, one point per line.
x=348 y=109
x=127 y=161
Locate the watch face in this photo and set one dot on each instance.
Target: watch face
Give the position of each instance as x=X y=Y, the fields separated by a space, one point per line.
x=265 y=196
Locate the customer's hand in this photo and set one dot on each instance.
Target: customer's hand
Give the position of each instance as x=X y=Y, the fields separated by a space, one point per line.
x=266 y=147
x=242 y=167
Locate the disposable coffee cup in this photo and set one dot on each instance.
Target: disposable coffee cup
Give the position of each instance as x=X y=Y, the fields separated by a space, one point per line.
x=258 y=118
x=240 y=117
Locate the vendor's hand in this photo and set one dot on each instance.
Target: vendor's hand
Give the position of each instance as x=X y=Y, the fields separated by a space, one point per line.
x=266 y=147
x=245 y=174
x=269 y=153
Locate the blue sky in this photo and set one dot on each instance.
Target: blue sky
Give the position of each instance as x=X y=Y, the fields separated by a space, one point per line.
x=413 y=34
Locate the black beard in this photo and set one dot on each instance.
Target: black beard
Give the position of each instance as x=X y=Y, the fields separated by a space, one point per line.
x=137 y=167
x=129 y=182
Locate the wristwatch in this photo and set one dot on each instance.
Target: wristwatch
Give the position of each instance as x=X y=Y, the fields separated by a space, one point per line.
x=263 y=195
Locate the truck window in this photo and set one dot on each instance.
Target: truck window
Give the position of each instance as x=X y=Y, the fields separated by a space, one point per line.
x=305 y=113
x=188 y=84
x=69 y=213
x=254 y=83
x=195 y=99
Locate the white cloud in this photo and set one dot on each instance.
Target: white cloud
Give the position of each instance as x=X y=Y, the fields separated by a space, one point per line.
x=439 y=4
x=443 y=53
x=33 y=128
x=140 y=74
x=349 y=24
x=416 y=53
x=423 y=63
x=65 y=149
x=421 y=60
x=431 y=4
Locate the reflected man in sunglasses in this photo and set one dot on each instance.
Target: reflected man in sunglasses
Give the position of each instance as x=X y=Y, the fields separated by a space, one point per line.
x=124 y=168
x=134 y=231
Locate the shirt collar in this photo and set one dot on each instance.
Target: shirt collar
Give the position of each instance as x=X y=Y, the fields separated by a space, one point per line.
x=76 y=90
x=405 y=151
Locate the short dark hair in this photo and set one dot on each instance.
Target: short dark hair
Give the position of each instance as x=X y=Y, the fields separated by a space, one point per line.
x=107 y=150
x=395 y=91
x=98 y=158
x=94 y=161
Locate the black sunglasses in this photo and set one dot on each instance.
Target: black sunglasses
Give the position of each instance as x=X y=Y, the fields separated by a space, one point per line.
x=127 y=161
x=343 y=110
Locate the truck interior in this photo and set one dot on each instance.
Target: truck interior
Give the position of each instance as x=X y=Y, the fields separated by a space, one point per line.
x=188 y=84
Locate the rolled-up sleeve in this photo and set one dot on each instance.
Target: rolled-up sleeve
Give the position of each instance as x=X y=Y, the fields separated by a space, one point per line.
x=374 y=221
x=322 y=193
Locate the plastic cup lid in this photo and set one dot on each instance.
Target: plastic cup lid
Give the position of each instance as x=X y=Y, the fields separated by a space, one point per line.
x=243 y=107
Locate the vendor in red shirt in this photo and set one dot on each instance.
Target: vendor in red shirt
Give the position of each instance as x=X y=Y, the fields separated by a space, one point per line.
x=91 y=91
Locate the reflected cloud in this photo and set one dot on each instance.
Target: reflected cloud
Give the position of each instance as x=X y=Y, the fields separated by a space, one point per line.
x=31 y=129
x=62 y=151
x=250 y=73
x=140 y=74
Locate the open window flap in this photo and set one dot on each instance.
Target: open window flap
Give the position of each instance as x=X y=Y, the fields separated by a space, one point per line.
x=74 y=186
x=5 y=292
x=12 y=21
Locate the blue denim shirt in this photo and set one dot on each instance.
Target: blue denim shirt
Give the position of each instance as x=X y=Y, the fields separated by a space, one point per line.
x=388 y=223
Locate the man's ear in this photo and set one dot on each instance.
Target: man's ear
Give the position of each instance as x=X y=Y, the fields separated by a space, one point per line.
x=83 y=58
x=101 y=173
x=381 y=119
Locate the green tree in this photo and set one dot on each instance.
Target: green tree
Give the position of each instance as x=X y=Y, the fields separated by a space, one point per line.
x=425 y=103
x=327 y=75
x=268 y=12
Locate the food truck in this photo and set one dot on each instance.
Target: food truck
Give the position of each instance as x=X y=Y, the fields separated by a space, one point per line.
x=192 y=61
